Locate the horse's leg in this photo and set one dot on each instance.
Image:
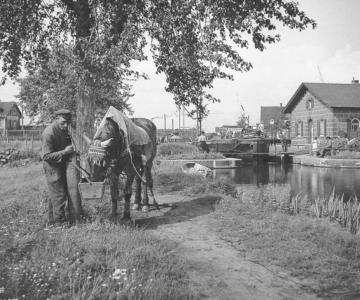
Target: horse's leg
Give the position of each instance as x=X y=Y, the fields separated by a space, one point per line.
x=137 y=202
x=150 y=184
x=114 y=191
x=144 y=183
x=127 y=195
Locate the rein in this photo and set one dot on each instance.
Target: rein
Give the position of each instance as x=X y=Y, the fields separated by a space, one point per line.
x=98 y=154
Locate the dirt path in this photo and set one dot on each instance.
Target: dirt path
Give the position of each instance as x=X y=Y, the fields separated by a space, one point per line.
x=216 y=269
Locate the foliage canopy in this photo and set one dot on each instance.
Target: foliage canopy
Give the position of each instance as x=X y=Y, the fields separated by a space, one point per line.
x=192 y=41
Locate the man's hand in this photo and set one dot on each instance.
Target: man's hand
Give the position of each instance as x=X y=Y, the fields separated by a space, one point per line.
x=69 y=149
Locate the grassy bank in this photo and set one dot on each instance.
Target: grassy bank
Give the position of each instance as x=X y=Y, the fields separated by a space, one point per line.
x=26 y=151
x=321 y=253
x=261 y=223
x=183 y=151
x=95 y=260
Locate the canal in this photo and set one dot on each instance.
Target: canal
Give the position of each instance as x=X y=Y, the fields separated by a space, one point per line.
x=311 y=181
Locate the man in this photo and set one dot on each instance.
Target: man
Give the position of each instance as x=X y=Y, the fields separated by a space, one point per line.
x=56 y=151
x=327 y=148
x=202 y=141
x=314 y=147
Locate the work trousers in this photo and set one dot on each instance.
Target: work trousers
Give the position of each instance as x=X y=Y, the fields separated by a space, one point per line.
x=57 y=186
x=204 y=146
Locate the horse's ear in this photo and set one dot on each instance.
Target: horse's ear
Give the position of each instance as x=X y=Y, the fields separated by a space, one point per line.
x=86 y=139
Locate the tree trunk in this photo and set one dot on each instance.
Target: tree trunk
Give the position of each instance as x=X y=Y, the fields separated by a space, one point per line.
x=85 y=116
x=74 y=201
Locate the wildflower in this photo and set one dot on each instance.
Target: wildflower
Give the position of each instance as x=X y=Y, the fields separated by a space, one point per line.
x=118 y=274
x=104 y=285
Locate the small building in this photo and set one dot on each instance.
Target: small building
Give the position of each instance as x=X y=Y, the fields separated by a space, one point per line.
x=272 y=118
x=10 y=116
x=226 y=129
x=324 y=109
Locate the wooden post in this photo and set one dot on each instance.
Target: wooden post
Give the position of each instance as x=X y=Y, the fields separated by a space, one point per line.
x=74 y=199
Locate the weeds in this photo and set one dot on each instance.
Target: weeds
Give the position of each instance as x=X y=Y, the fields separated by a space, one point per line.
x=94 y=260
x=274 y=229
x=183 y=151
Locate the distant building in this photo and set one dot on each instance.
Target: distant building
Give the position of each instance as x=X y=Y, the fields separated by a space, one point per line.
x=324 y=109
x=223 y=130
x=272 y=118
x=10 y=116
x=187 y=133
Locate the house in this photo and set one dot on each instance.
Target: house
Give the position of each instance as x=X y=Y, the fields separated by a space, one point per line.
x=10 y=116
x=272 y=117
x=324 y=109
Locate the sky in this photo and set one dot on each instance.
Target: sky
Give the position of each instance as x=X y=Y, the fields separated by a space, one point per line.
x=330 y=53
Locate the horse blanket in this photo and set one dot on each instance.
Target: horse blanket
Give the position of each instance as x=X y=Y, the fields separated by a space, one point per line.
x=134 y=134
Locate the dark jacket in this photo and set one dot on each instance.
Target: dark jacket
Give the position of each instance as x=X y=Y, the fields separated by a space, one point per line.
x=54 y=141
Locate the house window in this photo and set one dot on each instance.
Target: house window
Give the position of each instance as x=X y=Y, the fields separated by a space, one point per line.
x=322 y=128
x=299 y=128
x=355 y=123
x=310 y=104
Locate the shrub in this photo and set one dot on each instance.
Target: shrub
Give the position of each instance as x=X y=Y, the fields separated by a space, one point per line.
x=176 y=148
x=184 y=151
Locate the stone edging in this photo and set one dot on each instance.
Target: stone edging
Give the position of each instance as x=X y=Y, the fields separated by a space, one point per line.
x=214 y=163
x=314 y=161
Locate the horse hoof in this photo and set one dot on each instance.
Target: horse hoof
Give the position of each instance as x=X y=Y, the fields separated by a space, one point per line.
x=145 y=208
x=135 y=206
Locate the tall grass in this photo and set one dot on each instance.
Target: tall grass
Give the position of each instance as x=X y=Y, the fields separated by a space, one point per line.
x=335 y=207
x=167 y=181
x=346 y=155
x=347 y=213
x=95 y=260
x=270 y=229
x=25 y=150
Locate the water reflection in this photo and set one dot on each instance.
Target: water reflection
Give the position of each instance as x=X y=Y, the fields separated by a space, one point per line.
x=314 y=182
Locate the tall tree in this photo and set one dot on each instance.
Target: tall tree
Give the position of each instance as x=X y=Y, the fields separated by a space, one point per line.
x=56 y=84
x=192 y=41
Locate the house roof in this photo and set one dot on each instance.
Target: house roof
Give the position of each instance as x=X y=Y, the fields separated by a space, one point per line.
x=268 y=113
x=330 y=94
x=5 y=107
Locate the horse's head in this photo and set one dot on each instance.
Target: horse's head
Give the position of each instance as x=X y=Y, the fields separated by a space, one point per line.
x=105 y=149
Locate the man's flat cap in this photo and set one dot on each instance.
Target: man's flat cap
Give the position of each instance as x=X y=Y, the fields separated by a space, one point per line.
x=63 y=112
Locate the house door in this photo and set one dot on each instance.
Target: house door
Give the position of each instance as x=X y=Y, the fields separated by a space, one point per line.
x=310 y=131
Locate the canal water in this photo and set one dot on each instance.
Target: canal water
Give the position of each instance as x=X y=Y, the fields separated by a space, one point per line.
x=311 y=181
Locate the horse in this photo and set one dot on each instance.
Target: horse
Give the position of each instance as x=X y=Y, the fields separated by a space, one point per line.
x=115 y=154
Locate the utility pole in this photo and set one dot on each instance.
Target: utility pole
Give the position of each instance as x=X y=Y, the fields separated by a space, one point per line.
x=165 y=121
x=321 y=77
